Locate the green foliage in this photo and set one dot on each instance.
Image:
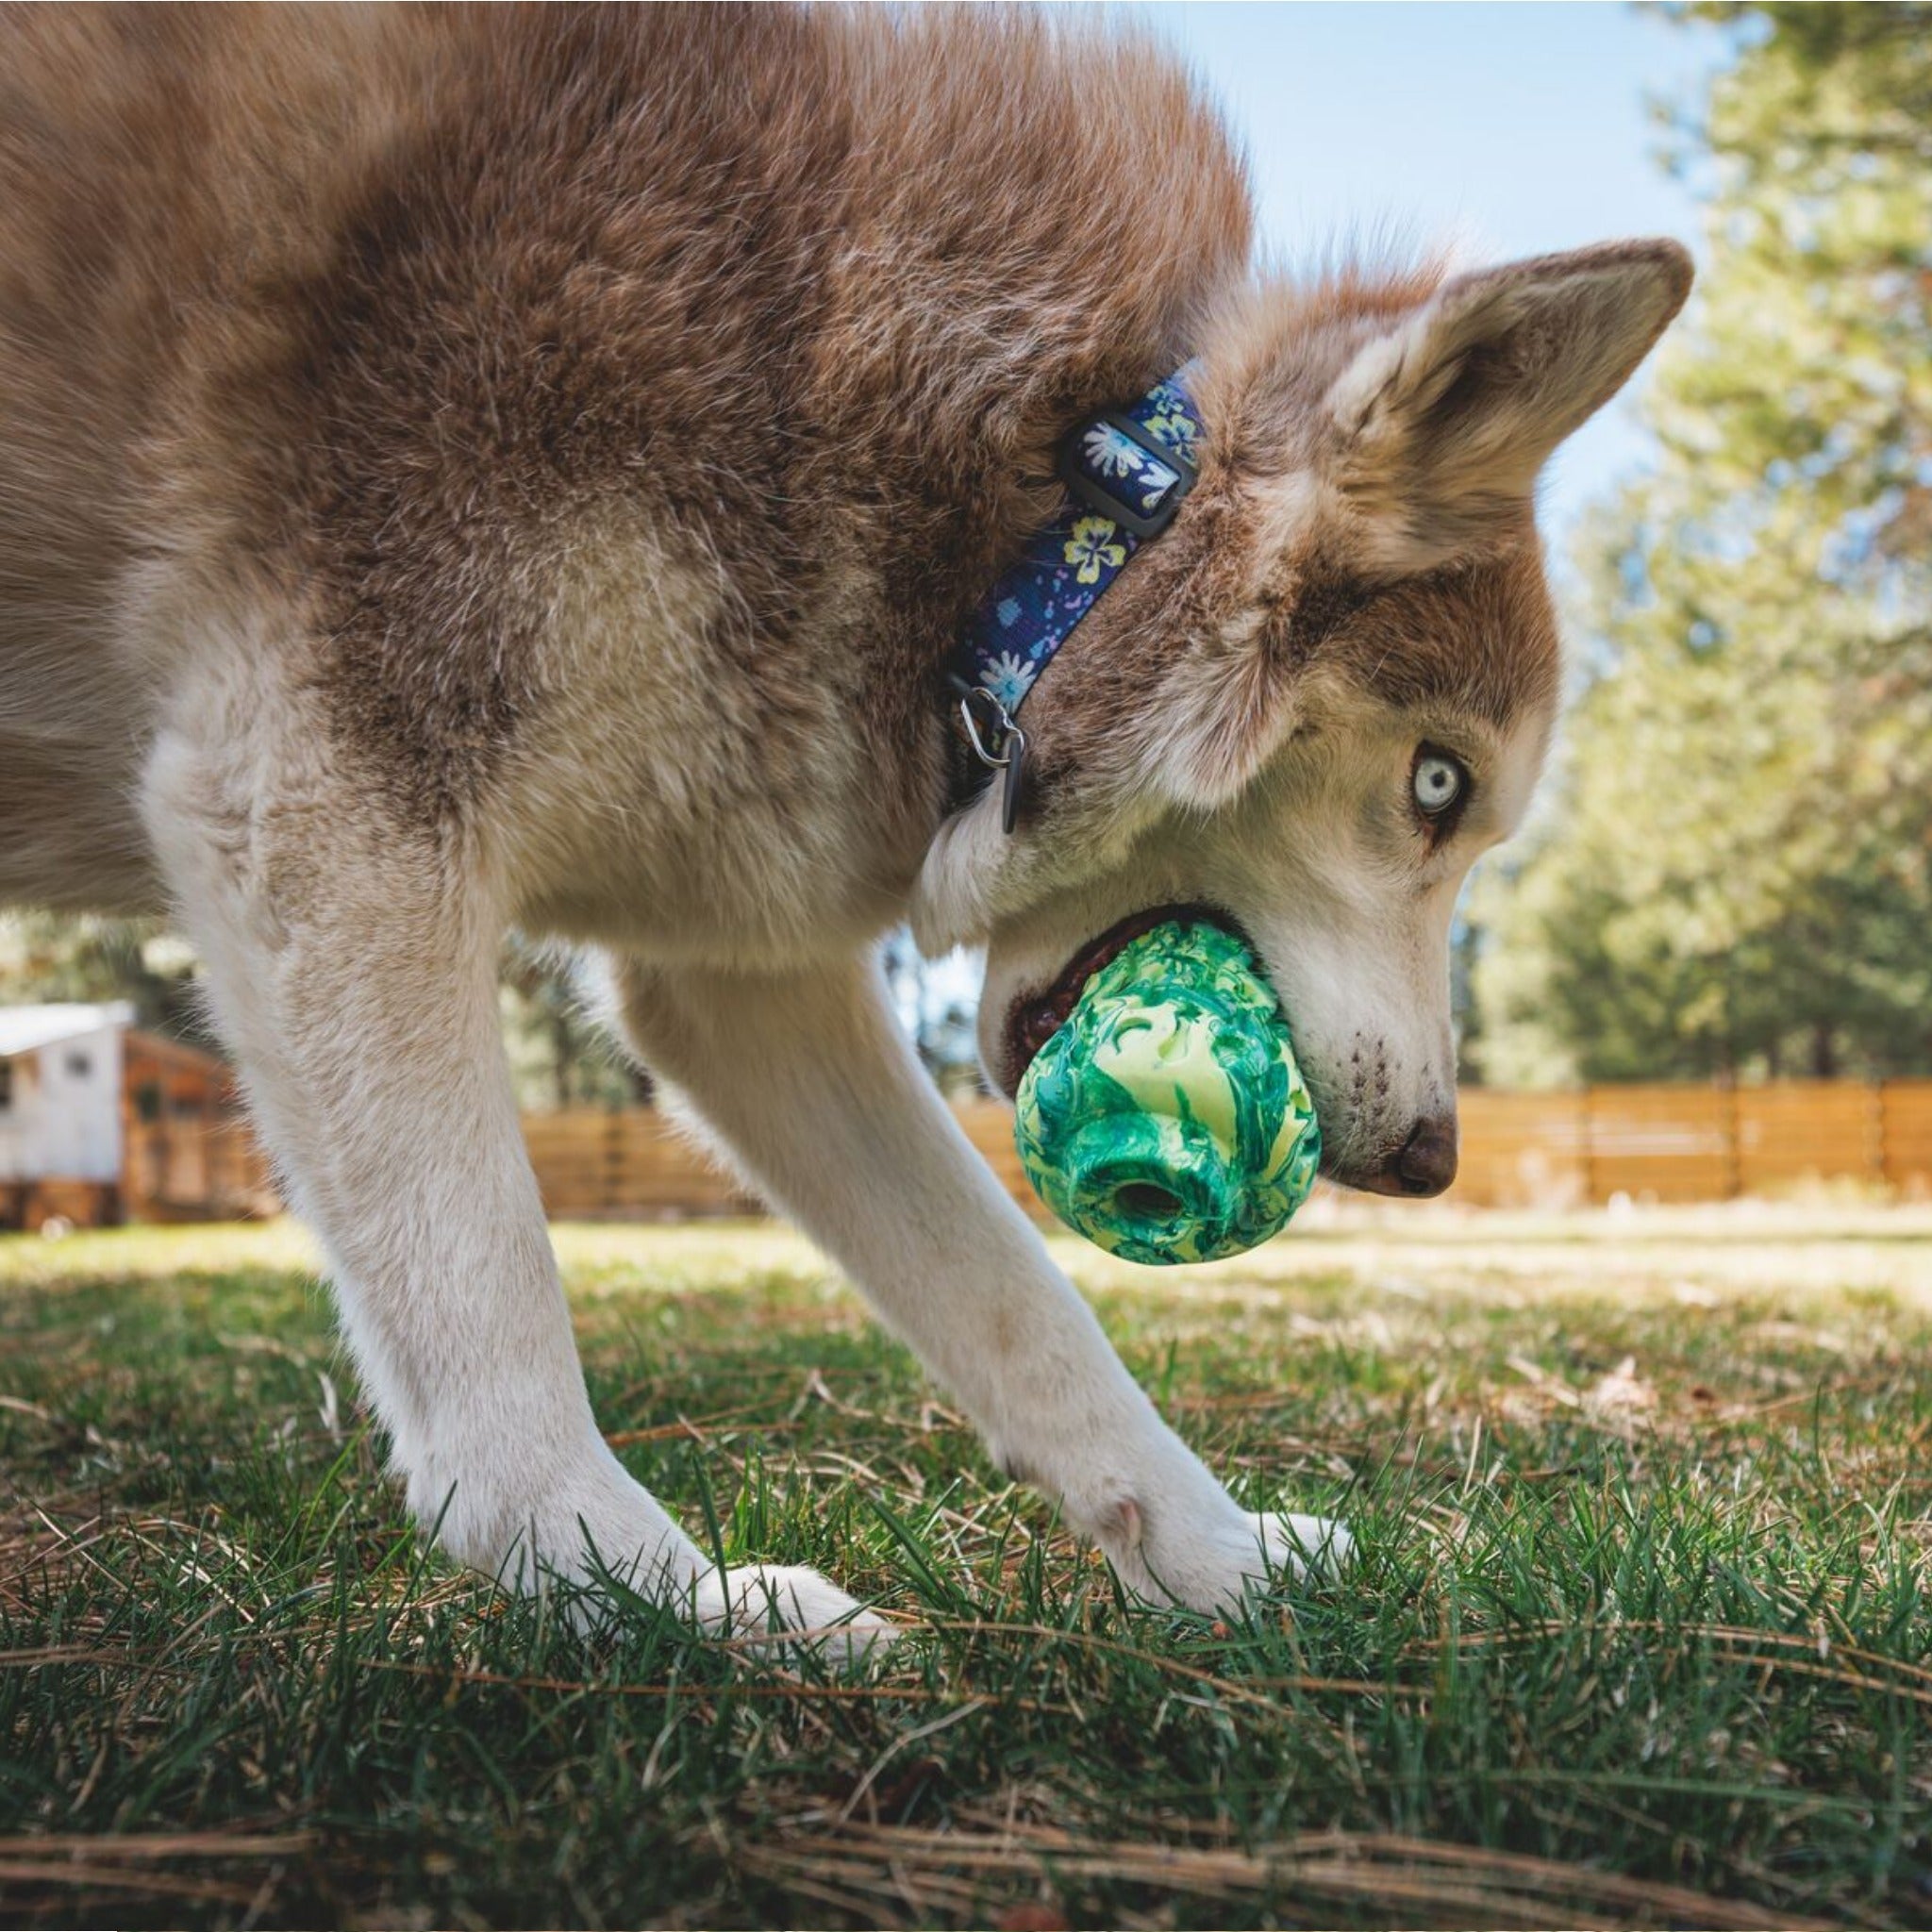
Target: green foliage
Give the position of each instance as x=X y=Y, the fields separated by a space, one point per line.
x=560 y=1054
x=1740 y=873
x=1626 y=1645
x=48 y=957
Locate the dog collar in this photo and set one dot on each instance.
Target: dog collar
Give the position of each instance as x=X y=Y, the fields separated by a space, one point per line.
x=1125 y=473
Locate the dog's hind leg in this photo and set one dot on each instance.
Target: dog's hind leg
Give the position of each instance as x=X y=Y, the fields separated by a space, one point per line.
x=816 y=1095
x=352 y=958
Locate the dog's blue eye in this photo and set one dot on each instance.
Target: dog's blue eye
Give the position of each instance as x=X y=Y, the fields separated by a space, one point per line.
x=1438 y=781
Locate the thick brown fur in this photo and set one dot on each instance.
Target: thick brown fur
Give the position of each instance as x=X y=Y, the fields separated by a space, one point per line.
x=382 y=303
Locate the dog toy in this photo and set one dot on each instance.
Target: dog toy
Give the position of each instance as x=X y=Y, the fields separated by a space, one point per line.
x=1166 y=1119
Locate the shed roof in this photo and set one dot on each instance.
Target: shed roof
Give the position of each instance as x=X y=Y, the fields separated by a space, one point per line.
x=26 y=1029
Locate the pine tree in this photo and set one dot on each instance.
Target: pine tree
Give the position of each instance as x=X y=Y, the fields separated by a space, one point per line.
x=1738 y=876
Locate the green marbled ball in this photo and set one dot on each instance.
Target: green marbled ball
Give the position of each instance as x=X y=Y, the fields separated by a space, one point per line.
x=1167 y=1119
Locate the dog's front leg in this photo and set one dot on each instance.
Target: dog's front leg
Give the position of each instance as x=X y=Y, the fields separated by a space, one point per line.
x=351 y=953
x=814 y=1092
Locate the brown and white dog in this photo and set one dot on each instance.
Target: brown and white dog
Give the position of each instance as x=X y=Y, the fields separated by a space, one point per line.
x=464 y=469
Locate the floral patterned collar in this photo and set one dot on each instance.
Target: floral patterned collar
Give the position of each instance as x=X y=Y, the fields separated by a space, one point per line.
x=1125 y=473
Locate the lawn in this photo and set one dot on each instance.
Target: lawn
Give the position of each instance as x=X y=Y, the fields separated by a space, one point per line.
x=1639 y=1631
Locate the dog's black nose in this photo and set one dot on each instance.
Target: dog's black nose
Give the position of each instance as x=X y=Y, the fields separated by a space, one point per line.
x=1425 y=1162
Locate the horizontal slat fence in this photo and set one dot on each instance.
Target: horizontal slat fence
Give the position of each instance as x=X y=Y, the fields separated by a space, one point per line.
x=597 y=1164
x=1905 y=1132
x=1519 y=1150
x=1691 y=1144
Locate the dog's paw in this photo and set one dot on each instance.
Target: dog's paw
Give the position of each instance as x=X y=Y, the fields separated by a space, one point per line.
x=1303 y=1546
x=1215 y=1560
x=792 y=1609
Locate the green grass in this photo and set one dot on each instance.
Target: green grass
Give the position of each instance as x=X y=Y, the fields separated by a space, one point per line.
x=1636 y=1644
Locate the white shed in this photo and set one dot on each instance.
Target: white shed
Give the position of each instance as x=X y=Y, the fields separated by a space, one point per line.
x=60 y=1087
x=101 y=1122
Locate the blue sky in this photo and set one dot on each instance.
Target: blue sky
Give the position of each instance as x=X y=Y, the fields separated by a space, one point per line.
x=1514 y=129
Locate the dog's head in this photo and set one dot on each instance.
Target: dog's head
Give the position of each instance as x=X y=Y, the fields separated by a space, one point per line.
x=1326 y=690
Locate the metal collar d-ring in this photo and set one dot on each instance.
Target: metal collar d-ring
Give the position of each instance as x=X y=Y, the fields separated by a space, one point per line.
x=1011 y=756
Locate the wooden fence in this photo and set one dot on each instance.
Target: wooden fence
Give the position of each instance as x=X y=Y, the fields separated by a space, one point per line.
x=1527 y=1150
x=625 y=1164
x=1691 y=1144
x=630 y=1164
x=1519 y=1150
x=196 y=1170
x=187 y=1153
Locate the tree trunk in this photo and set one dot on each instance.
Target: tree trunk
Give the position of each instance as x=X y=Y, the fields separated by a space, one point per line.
x=1823 y=1051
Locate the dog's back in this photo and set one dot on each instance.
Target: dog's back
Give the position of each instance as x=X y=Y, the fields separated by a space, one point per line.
x=349 y=296
x=153 y=164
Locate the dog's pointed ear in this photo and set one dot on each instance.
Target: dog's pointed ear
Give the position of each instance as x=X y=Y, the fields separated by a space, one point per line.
x=1441 y=424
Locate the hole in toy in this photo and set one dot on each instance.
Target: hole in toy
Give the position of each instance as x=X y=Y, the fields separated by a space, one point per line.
x=1144 y=1201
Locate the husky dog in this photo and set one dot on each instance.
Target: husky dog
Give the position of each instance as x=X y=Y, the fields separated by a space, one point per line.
x=474 y=469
